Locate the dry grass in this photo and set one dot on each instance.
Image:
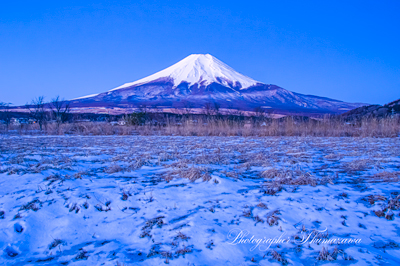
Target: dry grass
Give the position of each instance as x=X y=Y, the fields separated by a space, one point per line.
x=74 y=208
x=389 y=215
x=272 y=218
x=394 y=203
x=33 y=205
x=211 y=126
x=138 y=163
x=83 y=255
x=150 y=224
x=183 y=251
x=247 y=213
x=386 y=176
x=262 y=205
x=358 y=165
x=271 y=173
x=371 y=199
x=113 y=168
x=55 y=243
x=102 y=208
x=272 y=188
x=388 y=205
x=182 y=236
x=125 y=195
x=192 y=173
x=326 y=255
x=287 y=177
x=278 y=257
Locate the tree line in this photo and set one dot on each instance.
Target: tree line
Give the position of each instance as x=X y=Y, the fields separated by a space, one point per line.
x=40 y=111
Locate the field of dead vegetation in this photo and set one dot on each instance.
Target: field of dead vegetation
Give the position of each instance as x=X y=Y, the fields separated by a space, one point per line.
x=121 y=200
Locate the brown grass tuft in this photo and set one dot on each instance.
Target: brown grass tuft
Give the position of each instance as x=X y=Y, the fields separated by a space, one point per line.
x=278 y=257
x=325 y=255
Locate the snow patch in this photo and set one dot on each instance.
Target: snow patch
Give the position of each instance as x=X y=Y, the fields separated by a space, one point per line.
x=87 y=96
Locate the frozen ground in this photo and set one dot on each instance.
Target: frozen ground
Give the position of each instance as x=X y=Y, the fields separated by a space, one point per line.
x=183 y=200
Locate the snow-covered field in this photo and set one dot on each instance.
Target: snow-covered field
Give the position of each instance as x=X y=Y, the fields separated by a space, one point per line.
x=111 y=200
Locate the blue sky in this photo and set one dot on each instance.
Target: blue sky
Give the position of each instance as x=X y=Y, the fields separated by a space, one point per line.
x=347 y=50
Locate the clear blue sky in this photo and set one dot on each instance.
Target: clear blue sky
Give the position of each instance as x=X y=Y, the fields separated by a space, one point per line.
x=347 y=50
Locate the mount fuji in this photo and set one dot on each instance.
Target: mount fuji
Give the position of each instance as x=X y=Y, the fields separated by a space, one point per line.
x=201 y=79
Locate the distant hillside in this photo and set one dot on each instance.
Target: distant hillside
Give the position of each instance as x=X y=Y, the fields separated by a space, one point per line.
x=378 y=111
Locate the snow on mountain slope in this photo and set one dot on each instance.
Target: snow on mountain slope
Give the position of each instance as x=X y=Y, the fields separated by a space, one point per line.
x=87 y=96
x=201 y=69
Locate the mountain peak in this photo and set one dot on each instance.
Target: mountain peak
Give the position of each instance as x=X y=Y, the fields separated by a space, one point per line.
x=201 y=69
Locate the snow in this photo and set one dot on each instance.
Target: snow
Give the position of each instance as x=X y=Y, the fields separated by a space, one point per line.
x=198 y=69
x=69 y=194
x=87 y=96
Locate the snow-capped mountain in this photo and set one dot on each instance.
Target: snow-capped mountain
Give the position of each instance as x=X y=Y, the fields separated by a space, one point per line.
x=199 y=69
x=200 y=80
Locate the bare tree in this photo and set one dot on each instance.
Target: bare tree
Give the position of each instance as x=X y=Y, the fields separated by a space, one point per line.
x=216 y=108
x=143 y=108
x=259 y=112
x=178 y=108
x=211 y=108
x=237 y=112
x=60 y=109
x=187 y=106
x=37 y=111
x=156 y=109
x=5 y=113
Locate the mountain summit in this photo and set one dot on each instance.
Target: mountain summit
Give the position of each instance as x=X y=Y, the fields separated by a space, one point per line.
x=201 y=79
x=202 y=69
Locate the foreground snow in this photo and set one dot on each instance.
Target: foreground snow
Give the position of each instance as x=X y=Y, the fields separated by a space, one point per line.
x=184 y=200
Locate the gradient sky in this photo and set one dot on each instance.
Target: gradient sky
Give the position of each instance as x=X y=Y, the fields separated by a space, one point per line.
x=347 y=50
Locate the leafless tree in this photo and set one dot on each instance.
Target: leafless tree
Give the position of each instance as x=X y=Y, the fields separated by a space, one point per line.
x=38 y=111
x=60 y=109
x=237 y=112
x=5 y=113
x=216 y=108
x=143 y=108
x=259 y=112
x=211 y=108
x=156 y=109
x=207 y=109
x=178 y=108
x=187 y=106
